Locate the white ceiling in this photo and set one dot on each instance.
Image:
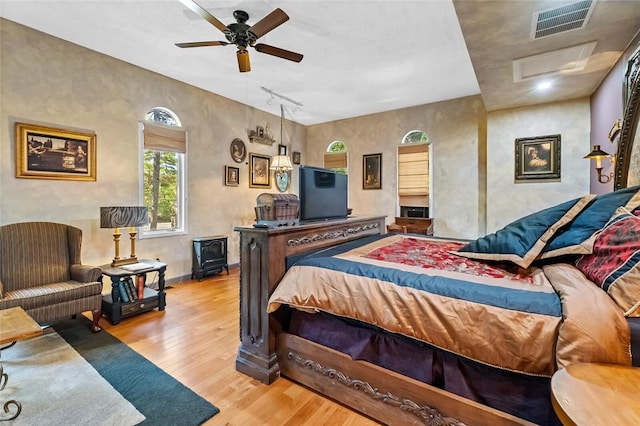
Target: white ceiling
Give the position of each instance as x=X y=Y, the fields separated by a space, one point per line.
x=360 y=57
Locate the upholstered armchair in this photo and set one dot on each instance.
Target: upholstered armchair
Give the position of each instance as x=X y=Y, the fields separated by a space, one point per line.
x=41 y=271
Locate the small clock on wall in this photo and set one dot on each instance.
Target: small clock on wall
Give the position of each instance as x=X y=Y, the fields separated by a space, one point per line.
x=238 y=150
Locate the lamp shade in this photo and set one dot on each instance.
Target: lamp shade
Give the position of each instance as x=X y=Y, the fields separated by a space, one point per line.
x=597 y=153
x=120 y=217
x=281 y=162
x=244 y=64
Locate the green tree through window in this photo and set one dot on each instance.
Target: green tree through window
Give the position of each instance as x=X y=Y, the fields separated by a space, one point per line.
x=162 y=190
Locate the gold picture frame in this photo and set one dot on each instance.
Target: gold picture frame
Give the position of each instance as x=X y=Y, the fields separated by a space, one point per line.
x=259 y=172
x=54 y=153
x=231 y=176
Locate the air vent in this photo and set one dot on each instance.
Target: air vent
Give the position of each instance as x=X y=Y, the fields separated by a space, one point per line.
x=558 y=20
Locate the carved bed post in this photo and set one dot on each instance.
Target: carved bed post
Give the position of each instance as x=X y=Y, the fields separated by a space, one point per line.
x=256 y=354
x=263 y=253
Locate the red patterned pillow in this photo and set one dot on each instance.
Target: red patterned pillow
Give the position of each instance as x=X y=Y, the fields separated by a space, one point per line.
x=614 y=264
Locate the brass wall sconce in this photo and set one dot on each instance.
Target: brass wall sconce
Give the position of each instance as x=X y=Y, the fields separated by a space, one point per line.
x=119 y=217
x=615 y=130
x=598 y=154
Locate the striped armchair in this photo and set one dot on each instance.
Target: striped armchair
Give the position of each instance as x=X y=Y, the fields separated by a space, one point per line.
x=40 y=271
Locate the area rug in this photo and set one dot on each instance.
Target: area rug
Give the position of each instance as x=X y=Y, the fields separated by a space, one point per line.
x=151 y=396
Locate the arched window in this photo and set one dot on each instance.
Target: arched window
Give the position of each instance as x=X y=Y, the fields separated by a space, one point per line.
x=336 y=157
x=164 y=147
x=413 y=174
x=415 y=136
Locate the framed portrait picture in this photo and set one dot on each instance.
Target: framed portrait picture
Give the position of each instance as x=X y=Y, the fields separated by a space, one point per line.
x=231 y=176
x=259 y=173
x=238 y=150
x=537 y=158
x=295 y=157
x=372 y=171
x=282 y=150
x=52 y=153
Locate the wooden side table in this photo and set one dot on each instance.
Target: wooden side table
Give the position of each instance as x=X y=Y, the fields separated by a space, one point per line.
x=596 y=394
x=115 y=308
x=15 y=324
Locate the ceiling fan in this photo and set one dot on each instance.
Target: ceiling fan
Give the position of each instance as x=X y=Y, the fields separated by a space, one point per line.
x=244 y=35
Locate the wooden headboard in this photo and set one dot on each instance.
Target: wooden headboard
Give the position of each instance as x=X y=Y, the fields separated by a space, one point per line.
x=627 y=170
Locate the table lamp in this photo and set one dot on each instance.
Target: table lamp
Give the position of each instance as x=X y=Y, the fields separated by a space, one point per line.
x=118 y=217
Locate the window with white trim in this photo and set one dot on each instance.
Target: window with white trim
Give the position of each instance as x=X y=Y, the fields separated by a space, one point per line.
x=163 y=145
x=413 y=170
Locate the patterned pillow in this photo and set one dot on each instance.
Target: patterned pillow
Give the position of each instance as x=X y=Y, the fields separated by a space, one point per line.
x=522 y=241
x=614 y=264
x=578 y=238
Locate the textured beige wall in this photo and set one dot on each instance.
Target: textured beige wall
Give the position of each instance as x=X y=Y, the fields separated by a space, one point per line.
x=508 y=200
x=45 y=80
x=453 y=129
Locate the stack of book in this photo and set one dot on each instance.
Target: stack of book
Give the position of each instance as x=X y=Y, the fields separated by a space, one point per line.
x=132 y=288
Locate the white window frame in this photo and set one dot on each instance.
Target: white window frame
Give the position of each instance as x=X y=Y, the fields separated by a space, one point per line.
x=181 y=226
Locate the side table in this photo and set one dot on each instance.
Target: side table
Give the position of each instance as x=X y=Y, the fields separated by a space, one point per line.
x=16 y=325
x=114 y=306
x=596 y=394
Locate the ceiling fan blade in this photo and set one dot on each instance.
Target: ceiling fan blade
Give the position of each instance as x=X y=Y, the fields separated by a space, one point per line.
x=202 y=44
x=206 y=15
x=276 y=51
x=269 y=22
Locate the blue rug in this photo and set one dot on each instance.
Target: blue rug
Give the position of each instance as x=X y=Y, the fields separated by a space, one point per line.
x=159 y=397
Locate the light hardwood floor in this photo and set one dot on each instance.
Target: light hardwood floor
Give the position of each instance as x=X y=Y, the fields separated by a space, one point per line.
x=195 y=340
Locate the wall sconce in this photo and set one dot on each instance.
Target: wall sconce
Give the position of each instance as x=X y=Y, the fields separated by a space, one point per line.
x=118 y=217
x=598 y=154
x=615 y=130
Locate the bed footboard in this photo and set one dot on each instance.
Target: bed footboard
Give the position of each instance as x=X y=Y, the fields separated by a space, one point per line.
x=381 y=394
x=263 y=252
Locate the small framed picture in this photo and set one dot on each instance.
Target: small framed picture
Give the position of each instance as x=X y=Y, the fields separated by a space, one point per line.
x=295 y=157
x=238 y=150
x=537 y=158
x=282 y=150
x=372 y=171
x=231 y=176
x=259 y=173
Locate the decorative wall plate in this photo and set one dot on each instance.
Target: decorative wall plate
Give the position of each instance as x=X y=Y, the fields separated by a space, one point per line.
x=238 y=150
x=282 y=181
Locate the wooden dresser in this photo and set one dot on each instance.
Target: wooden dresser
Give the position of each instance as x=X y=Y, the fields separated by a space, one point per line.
x=263 y=253
x=414 y=225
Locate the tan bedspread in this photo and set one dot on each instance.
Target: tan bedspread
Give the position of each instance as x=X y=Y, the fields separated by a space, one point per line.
x=530 y=321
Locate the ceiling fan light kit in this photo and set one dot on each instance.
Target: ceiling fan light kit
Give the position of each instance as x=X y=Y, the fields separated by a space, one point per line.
x=243 y=35
x=244 y=64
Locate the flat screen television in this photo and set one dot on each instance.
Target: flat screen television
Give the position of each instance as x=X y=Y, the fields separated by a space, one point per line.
x=322 y=194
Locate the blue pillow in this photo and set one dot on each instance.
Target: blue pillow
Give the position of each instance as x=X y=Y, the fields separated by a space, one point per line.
x=579 y=236
x=522 y=241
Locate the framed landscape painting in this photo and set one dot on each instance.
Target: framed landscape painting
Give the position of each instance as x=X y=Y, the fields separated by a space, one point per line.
x=537 y=158
x=52 y=153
